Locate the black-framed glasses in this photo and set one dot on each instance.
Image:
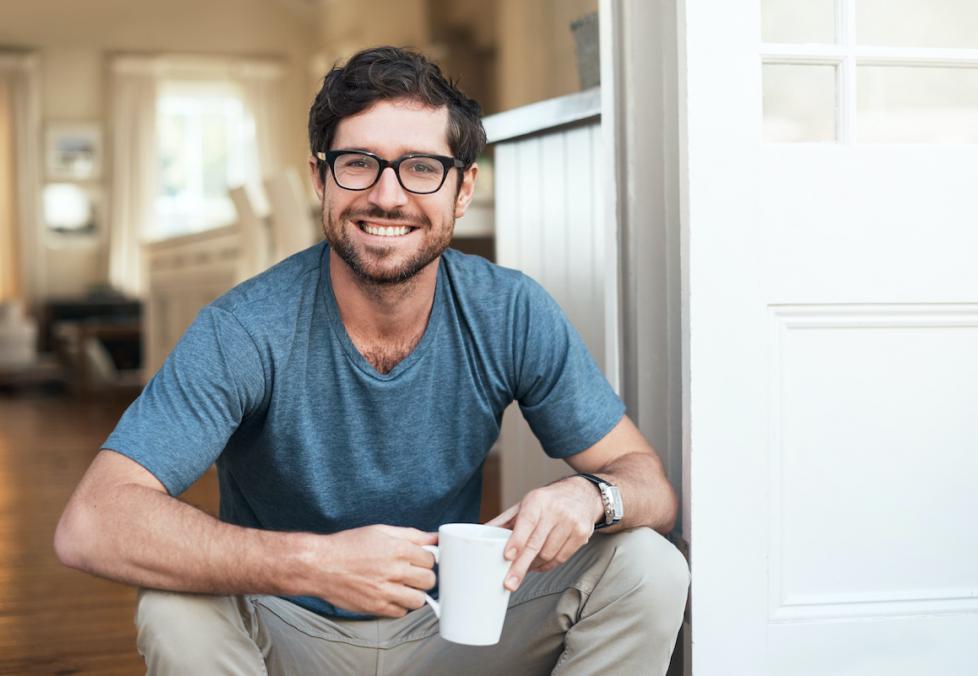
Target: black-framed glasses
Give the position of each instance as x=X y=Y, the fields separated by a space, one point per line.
x=417 y=173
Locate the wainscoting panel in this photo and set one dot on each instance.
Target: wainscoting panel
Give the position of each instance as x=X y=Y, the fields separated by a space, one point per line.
x=867 y=453
x=548 y=225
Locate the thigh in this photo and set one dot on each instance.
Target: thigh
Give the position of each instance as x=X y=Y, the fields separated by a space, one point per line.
x=196 y=633
x=301 y=642
x=531 y=643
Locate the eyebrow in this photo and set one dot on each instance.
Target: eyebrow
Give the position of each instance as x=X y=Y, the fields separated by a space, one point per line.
x=409 y=152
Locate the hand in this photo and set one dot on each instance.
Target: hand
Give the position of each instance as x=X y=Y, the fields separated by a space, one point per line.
x=549 y=524
x=377 y=570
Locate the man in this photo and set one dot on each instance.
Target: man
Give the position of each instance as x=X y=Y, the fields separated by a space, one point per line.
x=349 y=396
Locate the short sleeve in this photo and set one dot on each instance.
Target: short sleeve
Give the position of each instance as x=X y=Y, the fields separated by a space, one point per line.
x=564 y=397
x=186 y=414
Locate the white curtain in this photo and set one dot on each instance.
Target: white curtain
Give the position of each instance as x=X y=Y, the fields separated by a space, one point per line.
x=9 y=260
x=264 y=95
x=135 y=158
x=135 y=87
x=21 y=258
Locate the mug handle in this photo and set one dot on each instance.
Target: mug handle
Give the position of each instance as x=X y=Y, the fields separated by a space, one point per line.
x=435 y=606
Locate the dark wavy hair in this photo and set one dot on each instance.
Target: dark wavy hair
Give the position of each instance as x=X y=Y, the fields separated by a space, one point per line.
x=385 y=73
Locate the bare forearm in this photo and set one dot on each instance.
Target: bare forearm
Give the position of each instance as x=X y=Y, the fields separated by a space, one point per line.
x=143 y=537
x=122 y=524
x=647 y=495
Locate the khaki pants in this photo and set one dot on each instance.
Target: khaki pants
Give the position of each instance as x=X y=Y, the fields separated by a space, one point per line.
x=614 y=608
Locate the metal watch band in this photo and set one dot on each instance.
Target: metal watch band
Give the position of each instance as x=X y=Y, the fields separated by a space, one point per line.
x=612 y=503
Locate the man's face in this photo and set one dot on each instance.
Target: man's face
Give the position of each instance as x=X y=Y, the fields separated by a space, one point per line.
x=391 y=129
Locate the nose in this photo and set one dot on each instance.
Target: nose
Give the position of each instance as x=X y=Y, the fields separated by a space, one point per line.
x=387 y=192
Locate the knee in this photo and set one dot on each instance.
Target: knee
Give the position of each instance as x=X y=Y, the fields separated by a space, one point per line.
x=653 y=574
x=180 y=633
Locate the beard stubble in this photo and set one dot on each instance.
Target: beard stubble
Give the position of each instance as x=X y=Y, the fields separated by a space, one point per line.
x=341 y=241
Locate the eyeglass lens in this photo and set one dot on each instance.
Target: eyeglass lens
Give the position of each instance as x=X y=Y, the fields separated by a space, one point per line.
x=355 y=171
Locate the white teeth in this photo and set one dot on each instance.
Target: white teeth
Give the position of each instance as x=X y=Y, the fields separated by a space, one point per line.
x=388 y=231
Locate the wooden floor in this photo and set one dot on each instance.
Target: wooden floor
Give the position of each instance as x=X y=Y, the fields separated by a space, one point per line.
x=54 y=620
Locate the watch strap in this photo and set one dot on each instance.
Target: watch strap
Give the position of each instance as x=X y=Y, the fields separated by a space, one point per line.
x=604 y=487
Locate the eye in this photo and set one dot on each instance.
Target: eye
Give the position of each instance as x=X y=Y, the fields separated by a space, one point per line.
x=424 y=166
x=355 y=162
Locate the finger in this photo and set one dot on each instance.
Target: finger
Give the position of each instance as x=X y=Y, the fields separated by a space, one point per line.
x=418 y=537
x=526 y=522
x=527 y=555
x=416 y=555
x=555 y=542
x=580 y=534
x=541 y=566
x=568 y=550
x=392 y=610
x=407 y=598
x=504 y=520
x=419 y=578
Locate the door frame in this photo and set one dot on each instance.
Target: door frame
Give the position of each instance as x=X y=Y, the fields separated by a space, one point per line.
x=640 y=127
x=642 y=130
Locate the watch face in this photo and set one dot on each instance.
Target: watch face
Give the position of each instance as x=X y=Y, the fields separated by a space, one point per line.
x=616 y=502
x=608 y=498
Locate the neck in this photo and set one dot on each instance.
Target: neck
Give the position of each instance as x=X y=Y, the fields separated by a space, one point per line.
x=395 y=312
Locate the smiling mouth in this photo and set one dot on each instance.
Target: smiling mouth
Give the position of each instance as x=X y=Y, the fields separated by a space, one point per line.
x=384 y=231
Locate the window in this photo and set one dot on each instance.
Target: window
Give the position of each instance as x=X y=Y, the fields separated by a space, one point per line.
x=206 y=146
x=870 y=71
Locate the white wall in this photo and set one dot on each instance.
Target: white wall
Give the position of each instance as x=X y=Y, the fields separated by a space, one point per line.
x=536 y=55
x=347 y=26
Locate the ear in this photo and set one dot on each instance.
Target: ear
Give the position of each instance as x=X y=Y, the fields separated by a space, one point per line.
x=467 y=190
x=317 y=182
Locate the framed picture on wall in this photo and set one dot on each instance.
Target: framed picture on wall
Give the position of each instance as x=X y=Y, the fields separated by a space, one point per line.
x=74 y=151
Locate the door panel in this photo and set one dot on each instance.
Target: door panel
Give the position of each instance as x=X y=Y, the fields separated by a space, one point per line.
x=868 y=452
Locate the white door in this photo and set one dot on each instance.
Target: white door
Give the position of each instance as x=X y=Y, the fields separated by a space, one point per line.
x=830 y=202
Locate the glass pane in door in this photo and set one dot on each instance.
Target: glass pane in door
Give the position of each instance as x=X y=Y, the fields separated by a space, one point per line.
x=904 y=104
x=917 y=23
x=799 y=102
x=798 y=21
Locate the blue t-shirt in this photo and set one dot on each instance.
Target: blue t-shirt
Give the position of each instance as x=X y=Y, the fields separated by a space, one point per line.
x=308 y=436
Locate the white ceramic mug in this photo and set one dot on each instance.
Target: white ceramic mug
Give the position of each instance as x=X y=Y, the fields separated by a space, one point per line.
x=471 y=569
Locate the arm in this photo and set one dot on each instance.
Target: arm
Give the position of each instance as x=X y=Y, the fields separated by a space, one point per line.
x=552 y=522
x=626 y=459
x=121 y=524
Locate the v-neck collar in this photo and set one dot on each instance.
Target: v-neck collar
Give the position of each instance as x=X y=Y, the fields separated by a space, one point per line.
x=353 y=354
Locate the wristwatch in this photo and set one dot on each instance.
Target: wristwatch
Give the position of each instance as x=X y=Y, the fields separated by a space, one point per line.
x=610 y=497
